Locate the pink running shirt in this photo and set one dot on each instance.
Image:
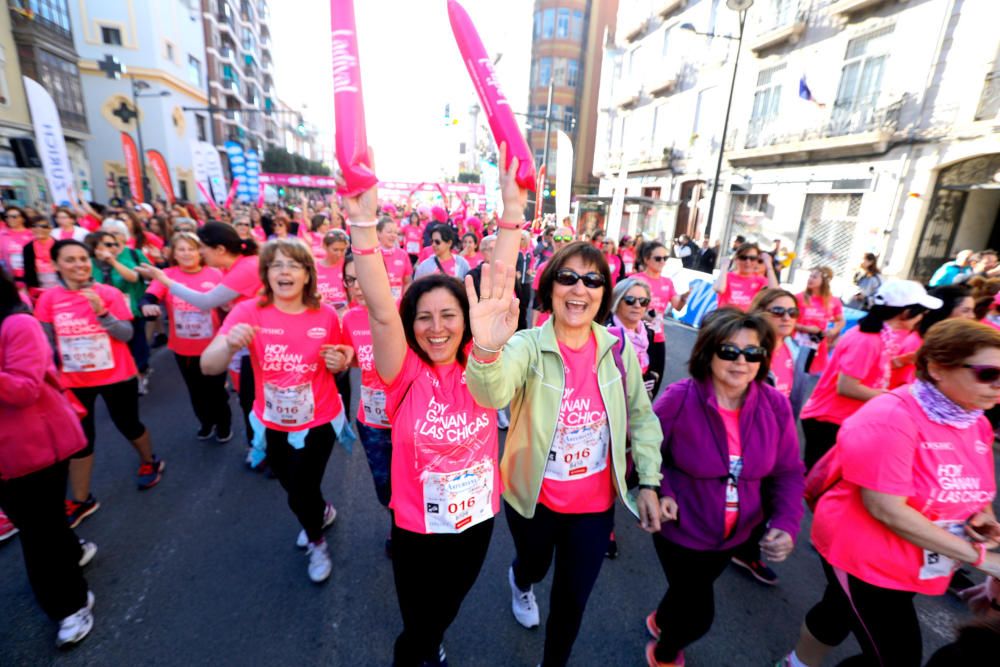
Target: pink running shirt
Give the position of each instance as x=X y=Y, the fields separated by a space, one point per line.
x=191 y=329
x=398 y=266
x=731 y=420
x=358 y=334
x=740 y=290
x=859 y=355
x=663 y=292
x=330 y=284
x=243 y=277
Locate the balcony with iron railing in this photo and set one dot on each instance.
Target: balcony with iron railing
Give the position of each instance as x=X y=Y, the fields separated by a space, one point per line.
x=847 y=8
x=774 y=28
x=668 y=7
x=847 y=130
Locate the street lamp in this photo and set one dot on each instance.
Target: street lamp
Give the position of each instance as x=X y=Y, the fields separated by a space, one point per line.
x=138 y=85
x=740 y=6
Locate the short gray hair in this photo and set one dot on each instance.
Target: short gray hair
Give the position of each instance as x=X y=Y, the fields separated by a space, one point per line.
x=115 y=226
x=622 y=288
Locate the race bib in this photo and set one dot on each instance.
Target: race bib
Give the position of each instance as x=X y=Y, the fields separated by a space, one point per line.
x=938 y=565
x=578 y=452
x=289 y=406
x=86 y=353
x=47 y=280
x=373 y=404
x=454 y=501
x=413 y=247
x=397 y=291
x=17 y=261
x=193 y=324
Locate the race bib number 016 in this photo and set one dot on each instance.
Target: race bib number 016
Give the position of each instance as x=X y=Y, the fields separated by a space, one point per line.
x=579 y=452
x=454 y=501
x=193 y=324
x=289 y=406
x=86 y=354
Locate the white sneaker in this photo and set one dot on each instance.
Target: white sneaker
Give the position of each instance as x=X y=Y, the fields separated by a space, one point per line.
x=88 y=551
x=319 y=562
x=75 y=627
x=522 y=603
x=329 y=516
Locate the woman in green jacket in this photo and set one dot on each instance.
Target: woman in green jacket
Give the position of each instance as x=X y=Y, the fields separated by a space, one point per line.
x=564 y=459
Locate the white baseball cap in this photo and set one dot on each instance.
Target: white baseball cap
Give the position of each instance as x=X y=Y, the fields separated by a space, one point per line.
x=901 y=293
x=144 y=207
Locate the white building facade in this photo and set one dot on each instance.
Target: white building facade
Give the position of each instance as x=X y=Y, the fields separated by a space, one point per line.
x=857 y=126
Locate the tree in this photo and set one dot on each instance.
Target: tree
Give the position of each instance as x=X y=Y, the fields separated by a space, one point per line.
x=279 y=161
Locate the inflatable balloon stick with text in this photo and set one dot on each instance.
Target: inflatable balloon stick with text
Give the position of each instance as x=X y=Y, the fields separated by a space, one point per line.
x=484 y=79
x=348 y=102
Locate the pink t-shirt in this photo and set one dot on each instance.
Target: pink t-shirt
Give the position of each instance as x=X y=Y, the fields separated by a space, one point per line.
x=740 y=290
x=358 y=334
x=398 y=266
x=628 y=259
x=813 y=313
x=906 y=342
x=859 y=355
x=473 y=261
x=615 y=264
x=243 y=277
x=12 y=249
x=783 y=367
x=258 y=234
x=945 y=473
x=44 y=268
x=294 y=389
x=316 y=245
x=90 y=223
x=90 y=357
x=731 y=420
x=191 y=329
x=445 y=476
x=577 y=477
x=663 y=292
x=330 y=284
x=424 y=253
x=413 y=236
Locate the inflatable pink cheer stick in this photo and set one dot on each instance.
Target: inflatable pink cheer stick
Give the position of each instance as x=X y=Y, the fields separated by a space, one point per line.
x=207 y=196
x=232 y=194
x=348 y=102
x=484 y=78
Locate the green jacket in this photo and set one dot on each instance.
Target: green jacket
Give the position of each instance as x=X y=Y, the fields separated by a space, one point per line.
x=529 y=375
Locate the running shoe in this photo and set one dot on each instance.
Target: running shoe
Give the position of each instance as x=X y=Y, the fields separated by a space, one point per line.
x=7 y=528
x=442 y=660
x=759 y=570
x=522 y=603
x=651 y=627
x=75 y=627
x=77 y=511
x=329 y=516
x=320 y=564
x=224 y=436
x=87 y=552
x=205 y=433
x=651 y=660
x=612 y=550
x=150 y=473
x=143 y=384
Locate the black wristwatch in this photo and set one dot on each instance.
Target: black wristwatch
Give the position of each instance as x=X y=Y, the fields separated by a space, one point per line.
x=651 y=487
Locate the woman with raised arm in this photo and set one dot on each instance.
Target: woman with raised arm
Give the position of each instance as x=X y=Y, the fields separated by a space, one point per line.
x=576 y=393
x=445 y=480
x=295 y=348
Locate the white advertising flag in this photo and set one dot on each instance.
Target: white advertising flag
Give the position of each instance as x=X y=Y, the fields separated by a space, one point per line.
x=50 y=142
x=564 y=173
x=617 y=206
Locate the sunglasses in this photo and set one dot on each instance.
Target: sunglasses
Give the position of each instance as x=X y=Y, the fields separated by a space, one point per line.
x=562 y=239
x=436 y=241
x=779 y=311
x=42 y=225
x=109 y=245
x=569 y=277
x=350 y=280
x=631 y=300
x=984 y=374
x=754 y=354
x=12 y=214
x=749 y=258
x=658 y=258
x=242 y=224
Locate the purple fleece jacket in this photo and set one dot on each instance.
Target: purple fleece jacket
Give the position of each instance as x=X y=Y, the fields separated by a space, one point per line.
x=696 y=465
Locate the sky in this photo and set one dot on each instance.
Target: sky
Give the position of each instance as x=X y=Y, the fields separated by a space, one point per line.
x=410 y=69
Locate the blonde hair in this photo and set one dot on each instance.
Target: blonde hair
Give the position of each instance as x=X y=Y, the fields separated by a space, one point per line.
x=188 y=237
x=826 y=275
x=297 y=251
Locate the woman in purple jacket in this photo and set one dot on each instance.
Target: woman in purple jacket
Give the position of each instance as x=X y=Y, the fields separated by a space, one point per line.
x=731 y=474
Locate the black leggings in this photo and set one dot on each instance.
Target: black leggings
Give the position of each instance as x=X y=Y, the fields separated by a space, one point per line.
x=122 y=401
x=300 y=472
x=208 y=394
x=433 y=574
x=51 y=551
x=578 y=542
x=820 y=437
x=657 y=363
x=686 y=612
x=247 y=392
x=883 y=621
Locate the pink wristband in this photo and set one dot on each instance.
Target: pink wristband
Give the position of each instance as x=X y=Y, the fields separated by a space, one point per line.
x=509 y=225
x=361 y=252
x=982 y=554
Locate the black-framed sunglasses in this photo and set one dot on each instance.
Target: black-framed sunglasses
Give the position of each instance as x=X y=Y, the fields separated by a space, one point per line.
x=780 y=311
x=754 y=354
x=569 y=277
x=984 y=374
x=41 y=225
x=749 y=258
x=350 y=280
x=658 y=258
x=631 y=300
x=109 y=244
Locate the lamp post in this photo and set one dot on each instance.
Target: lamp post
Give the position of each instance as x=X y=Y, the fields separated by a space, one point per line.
x=138 y=85
x=740 y=6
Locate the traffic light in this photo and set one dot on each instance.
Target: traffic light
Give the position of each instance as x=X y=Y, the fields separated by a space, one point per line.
x=301 y=127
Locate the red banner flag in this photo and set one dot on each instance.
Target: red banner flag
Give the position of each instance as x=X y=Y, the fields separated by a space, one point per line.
x=159 y=165
x=348 y=102
x=132 y=167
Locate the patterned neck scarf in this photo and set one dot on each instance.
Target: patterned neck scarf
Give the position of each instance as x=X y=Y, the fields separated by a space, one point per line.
x=639 y=340
x=940 y=409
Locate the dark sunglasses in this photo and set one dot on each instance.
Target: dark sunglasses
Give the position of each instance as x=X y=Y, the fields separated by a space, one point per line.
x=749 y=258
x=562 y=239
x=984 y=374
x=658 y=258
x=754 y=354
x=12 y=214
x=350 y=280
x=779 y=311
x=437 y=241
x=42 y=225
x=631 y=300
x=107 y=244
x=569 y=277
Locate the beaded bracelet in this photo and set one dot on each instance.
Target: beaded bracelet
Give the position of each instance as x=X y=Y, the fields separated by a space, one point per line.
x=361 y=252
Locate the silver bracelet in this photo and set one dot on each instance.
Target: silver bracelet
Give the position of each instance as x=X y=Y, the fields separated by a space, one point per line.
x=486 y=349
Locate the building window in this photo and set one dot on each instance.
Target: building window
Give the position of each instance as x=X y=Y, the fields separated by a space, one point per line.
x=544 y=71
x=111 y=36
x=62 y=79
x=548 y=23
x=202 y=127
x=568 y=119
x=539 y=156
x=860 y=82
x=52 y=11
x=667 y=42
x=169 y=49
x=766 y=103
x=537 y=31
x=194 y=70
x=562 y=23
x=576 y=25
x=559 y=71
x=4 y=88
x=572 y=73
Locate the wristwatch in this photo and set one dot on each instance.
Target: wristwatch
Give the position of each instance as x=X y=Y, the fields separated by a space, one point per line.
x=651 y=487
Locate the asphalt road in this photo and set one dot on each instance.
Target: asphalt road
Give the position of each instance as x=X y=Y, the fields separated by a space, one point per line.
x=203 y=570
